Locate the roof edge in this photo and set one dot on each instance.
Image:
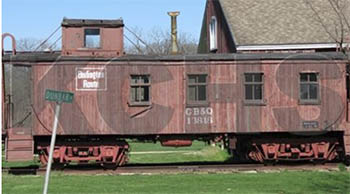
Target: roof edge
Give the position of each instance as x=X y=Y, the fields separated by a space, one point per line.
x=66 y=22
x=288 y=46
x=228 y=25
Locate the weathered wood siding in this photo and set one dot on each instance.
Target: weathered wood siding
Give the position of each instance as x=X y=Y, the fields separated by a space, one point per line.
x=108 y=111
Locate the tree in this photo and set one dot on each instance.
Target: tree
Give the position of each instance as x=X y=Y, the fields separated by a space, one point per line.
x=334 y=17
x=158 y=42
x=338 y=12
x=33 y=44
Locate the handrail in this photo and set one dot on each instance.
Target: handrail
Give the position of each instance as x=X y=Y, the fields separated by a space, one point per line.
x=4 y=35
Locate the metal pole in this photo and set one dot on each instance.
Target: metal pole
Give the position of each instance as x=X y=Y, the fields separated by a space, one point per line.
x=52 y=145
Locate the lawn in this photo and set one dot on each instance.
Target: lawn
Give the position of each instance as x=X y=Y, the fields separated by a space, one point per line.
x=145 y=153
x=143 y=147
x=279 y=183
x=155 y=153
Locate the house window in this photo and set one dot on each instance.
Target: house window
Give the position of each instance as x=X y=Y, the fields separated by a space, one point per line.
x=92 y=38
x=140 y=89
x=213 y=33
x=253 y=84
x=197 y=88
x=309 y=87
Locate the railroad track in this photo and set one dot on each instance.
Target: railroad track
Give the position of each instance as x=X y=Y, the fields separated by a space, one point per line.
x=176 y=168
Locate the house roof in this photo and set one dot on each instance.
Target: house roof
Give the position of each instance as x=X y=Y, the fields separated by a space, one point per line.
x=271 y=22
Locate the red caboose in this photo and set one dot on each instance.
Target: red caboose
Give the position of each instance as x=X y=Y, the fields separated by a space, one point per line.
x=266 y=107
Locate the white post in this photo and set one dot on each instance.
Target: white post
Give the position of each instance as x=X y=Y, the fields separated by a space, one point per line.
x=52 y=145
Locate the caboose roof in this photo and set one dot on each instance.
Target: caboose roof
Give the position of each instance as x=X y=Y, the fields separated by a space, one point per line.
x=92 y=23
x=34 y=57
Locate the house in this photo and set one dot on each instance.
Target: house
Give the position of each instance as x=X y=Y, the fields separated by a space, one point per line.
x=246 y=26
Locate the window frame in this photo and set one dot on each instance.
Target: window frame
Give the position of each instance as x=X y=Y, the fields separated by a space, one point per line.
x=100 y=38
x=197 y=102
x=261 y=101
x=139 y=85
x=316 y=101
x=213 y=34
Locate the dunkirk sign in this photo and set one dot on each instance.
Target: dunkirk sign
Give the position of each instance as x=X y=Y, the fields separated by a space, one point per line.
x=59 y=97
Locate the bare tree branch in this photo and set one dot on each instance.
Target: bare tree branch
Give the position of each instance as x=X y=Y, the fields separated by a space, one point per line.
x=30 y=44
x=158 y=42
x=320 y=21
x=337 y=13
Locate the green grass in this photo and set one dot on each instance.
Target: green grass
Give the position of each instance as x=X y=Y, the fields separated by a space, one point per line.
x=279 y=183
x=143 y=147
x=198 y=152
x=206 y=154
x=17 y=164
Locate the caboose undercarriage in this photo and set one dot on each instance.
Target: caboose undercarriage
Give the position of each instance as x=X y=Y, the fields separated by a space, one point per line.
x=268 y=149
x=108 y=151
x=112 y=151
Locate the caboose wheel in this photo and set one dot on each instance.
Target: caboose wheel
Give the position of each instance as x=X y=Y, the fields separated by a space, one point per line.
x=270 y=162
x=109 y=166
x=58 y=166
x=347 y=160
x=43 y=158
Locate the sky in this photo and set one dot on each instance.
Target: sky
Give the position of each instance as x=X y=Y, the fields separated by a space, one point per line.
x=39 y=18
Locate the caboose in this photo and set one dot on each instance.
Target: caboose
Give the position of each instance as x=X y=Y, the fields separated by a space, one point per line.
x=266 y=107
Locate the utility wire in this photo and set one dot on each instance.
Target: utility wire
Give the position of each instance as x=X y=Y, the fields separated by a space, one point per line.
x=47 y=38
x=143 y=42
x=59 y=38
x=135 y=45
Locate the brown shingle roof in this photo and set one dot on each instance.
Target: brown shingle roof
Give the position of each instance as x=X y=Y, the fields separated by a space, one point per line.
x=261 y=22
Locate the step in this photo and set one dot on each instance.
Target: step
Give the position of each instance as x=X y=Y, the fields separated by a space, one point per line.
x=19 y=145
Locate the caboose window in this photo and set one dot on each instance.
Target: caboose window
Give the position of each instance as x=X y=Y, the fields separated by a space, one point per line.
x=92 y=38
x=253 y=84
x=197 y=88
x=140 y=89
x=309 y=87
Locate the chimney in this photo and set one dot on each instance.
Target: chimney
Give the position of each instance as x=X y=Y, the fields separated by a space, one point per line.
x=174 y=47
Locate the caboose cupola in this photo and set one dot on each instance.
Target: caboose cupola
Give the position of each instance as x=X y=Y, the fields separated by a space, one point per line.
x=92 y=37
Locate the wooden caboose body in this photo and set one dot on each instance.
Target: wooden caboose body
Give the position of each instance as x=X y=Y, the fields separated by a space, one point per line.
x=220 y=105
x=264 y=107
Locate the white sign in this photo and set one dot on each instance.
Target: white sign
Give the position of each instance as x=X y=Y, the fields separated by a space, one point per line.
x=203 y=115
x=91 y=79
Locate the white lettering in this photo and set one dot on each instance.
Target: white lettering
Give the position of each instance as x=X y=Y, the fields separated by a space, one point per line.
x=188 y=121
x=90 y=75
x=87 y=84
x=195 y=111
x=188 y=111
x=199 y=115
x=91 y=79
x=203 y=111
x=209 y=111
